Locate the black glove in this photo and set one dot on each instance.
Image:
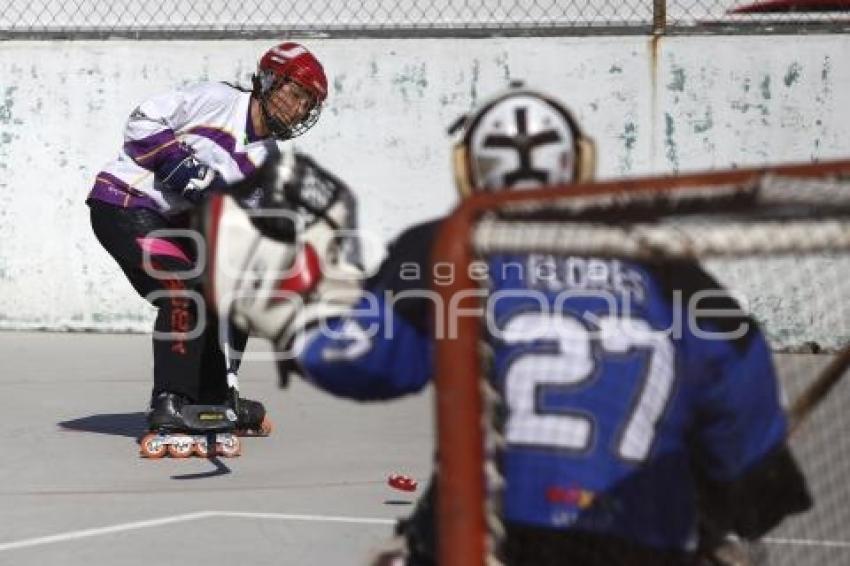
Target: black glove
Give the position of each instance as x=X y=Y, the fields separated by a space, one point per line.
x=190 y=178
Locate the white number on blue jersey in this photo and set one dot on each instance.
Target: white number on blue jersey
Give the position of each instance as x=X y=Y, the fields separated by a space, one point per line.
x=571 y=362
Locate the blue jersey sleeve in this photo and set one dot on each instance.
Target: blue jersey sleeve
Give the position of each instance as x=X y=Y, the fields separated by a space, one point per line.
x=749 y=478
x=384 y=347
x=371 y=354
x=740 y=415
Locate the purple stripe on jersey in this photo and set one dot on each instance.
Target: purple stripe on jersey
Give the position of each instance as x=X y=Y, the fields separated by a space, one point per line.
x=153 y=151
x=112 y=190
x=109 y=179
x=228 y=143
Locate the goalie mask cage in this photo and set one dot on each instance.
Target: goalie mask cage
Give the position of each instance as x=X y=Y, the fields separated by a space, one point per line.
x=779 y=236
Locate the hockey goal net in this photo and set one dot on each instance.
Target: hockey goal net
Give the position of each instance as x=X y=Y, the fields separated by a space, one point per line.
x=778 y=238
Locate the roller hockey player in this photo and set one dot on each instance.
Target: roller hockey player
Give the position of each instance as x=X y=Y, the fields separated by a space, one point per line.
x=179 y=148
x=630 y=494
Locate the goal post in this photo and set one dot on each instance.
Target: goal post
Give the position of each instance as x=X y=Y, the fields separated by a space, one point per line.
x=796 y=213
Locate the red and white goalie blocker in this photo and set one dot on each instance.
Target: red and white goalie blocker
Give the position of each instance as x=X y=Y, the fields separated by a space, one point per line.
x=291 y=262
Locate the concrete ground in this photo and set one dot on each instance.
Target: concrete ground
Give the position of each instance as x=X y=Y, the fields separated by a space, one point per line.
x=74 y=492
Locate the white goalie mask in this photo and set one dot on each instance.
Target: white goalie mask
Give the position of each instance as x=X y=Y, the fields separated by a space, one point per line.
x=519 y=140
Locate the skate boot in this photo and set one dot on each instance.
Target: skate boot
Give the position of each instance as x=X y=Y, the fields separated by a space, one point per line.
x=164 y=412
x=252 y=419
x=180 y=429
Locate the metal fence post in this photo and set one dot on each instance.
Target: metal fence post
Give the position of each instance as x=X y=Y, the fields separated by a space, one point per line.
x=659 y=16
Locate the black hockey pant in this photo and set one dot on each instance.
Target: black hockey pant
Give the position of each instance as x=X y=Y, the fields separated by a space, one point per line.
x=187 y=356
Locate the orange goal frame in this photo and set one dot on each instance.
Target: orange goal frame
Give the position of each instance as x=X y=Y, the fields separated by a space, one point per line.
x=461 y=518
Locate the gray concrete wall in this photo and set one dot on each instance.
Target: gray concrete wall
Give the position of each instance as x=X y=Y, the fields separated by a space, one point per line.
x=676 y=104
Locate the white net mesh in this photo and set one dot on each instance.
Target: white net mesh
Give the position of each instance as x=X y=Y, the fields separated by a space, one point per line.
x=822 y=447
x=781 y=245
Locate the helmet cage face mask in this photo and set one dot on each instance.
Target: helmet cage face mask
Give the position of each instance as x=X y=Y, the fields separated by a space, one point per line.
x=521 y=140
x=266 y=84
x=292 y=67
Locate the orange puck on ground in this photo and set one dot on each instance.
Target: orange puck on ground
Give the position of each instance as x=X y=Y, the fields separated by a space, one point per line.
x=402 y=482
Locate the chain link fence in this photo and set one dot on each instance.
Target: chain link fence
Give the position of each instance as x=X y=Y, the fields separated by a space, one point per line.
x=221 y=18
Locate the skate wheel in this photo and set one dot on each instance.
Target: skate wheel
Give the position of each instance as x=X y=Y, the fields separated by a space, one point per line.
x=231 y=447
x=181 y=446
x=201 y=449
x=151 y=446
x=264 y=429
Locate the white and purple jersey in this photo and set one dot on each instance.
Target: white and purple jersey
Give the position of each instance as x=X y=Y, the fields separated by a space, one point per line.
x=207 y=120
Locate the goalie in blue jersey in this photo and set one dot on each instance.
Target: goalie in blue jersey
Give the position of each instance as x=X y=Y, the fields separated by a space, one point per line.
x=628 y=437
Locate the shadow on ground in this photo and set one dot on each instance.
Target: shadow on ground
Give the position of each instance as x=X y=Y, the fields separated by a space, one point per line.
x=119 y=424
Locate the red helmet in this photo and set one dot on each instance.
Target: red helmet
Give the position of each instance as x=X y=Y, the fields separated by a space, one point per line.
x=293 y=61
x=286 y=62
